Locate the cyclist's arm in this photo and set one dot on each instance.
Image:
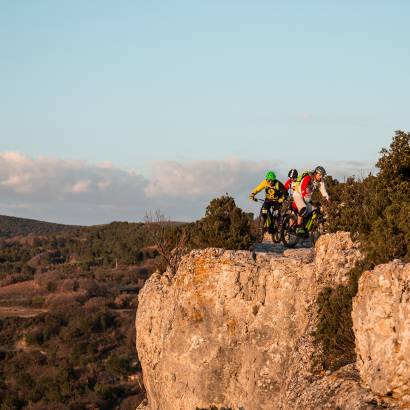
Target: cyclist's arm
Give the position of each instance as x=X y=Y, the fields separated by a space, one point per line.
x=323 y=190
x=259 y=188
x=287 y=184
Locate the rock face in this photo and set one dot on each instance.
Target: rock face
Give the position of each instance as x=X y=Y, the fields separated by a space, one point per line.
x=381 y=319
x=234 y=329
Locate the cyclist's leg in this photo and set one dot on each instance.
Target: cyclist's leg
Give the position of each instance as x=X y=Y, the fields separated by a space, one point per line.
x=309 y=207
x=265 y=211
x=277 y=206
x=270 y=207
x=301 y=206
x=294 y=209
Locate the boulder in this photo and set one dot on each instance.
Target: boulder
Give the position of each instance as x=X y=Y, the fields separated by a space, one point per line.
x=381 y=322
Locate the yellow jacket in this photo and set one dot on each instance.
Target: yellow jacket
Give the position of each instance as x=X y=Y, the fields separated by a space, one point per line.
x=277 y=193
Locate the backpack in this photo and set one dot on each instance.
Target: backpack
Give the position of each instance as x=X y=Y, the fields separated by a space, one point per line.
x=301 y=176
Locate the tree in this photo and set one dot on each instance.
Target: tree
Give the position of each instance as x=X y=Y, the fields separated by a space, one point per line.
x=376 y=211
x=170 y=239
x=224 y=226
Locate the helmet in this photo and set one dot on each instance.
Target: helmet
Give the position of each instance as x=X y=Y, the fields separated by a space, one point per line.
x=320 y=170
x=270 y=176
x=293 y=173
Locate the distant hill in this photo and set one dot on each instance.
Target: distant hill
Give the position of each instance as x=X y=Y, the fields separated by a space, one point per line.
x=11 y=226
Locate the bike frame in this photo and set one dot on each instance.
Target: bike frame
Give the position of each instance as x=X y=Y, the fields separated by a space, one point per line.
x=269 y=214
x=272 y=221
x=312 y=218
x=311 y=223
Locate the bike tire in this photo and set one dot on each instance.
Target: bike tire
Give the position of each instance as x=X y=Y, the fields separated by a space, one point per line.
x=276 y=234
x=260 y=230
x=316 y=232
x=276 y=237
x=287 y=232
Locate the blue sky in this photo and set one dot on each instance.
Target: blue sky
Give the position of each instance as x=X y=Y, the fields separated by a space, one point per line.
x=140 y=83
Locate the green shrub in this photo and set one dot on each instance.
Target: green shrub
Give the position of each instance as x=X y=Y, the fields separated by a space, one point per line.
x=118 y=365
x=37 y=300
x=109 y=392
x=35 y=337
x=376 y=212
x=224 y=226
x=11 y=402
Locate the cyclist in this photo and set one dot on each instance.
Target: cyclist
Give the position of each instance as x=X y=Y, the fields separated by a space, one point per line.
x=290 y=184
x=308 y=183
x=275 y=193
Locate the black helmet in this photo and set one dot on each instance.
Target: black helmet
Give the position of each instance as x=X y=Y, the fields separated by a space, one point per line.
x=320 y=170
x=293 y=173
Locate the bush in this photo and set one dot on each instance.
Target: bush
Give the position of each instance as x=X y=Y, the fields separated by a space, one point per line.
x=376 y=211
x=11 y=402
x=118 y=365
x=37 y=301
x=224 y=226
x=109 y=392
x=35 y=338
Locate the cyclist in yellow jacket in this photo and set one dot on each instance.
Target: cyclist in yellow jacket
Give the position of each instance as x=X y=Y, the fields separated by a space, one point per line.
x=275 y=193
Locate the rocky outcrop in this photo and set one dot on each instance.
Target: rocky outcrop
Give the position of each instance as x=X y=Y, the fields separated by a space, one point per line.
x=381 y=319
x=234 y=329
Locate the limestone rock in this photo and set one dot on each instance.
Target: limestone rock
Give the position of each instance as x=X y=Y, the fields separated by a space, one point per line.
x=335 y=256
x=381 y=319
x=234 y=329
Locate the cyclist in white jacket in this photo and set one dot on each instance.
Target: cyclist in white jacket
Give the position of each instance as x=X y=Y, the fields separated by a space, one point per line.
x=304 y=190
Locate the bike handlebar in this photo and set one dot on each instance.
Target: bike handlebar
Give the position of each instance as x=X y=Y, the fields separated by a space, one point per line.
x=262 y=200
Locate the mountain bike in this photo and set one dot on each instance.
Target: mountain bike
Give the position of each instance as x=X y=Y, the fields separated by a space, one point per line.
x=313 y=223
x=269 y=221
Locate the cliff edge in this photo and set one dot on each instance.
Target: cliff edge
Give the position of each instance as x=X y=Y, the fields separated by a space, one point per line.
x=233 y=329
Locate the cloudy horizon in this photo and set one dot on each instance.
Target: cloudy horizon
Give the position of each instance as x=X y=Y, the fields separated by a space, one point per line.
x=80 y=193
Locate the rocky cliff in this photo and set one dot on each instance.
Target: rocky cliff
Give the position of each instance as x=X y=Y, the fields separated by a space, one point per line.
x=381 y=320
x=233 y=329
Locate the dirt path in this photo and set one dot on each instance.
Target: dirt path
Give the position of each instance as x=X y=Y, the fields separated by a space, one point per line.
x=278 y=248
x=20 y=311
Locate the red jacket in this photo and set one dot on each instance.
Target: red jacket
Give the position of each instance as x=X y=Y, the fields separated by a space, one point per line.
x=290 y=184
x=305 y=188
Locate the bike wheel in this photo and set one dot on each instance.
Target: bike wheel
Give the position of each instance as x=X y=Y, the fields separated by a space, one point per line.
x=260 y=230
x=315 y=233
x=276 y=237
x=287 y=232
x=276 y=231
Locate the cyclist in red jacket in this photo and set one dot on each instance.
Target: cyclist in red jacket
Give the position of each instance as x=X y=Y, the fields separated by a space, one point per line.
x=290 y=184
x=303 y=193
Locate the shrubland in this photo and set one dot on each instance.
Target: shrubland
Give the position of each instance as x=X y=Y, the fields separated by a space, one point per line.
x=80 y=353
x=376 y=211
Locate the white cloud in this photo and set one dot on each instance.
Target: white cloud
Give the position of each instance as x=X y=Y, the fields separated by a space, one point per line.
x=80 y=186
x=104 y=184
x=344 y=169
x=198 y=179
x=69 y=191
x=81 y=193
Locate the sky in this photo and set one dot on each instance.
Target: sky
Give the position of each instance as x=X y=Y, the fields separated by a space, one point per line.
x=112 y=109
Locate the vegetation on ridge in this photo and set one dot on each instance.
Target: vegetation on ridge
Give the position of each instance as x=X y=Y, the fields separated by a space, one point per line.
x=376 y=211
x=11 y=226
x=80 y=285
